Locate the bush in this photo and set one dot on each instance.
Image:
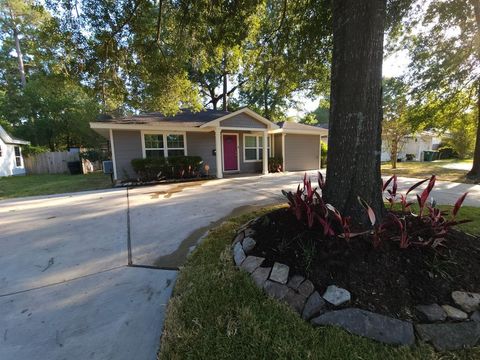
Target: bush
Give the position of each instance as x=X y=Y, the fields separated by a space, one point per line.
x=176 y=167
x=30 y=150
x=324 y=148
x=94 y=155
x=275 y=164
x=447 y=152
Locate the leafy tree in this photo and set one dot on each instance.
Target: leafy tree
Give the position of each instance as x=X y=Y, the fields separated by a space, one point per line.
x=291 y=55
x=396 y=120
x=320 y=115
x=461 y=135
x=18 y=20
x=443 y=39
x=46 y=103
x=217 y=36
x=56 y=113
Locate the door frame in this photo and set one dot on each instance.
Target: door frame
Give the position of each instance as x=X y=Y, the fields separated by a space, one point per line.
x=238 y=154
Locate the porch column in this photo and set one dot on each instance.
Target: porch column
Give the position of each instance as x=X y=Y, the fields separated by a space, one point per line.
x=320 y=154
x=112 y=149
x=283 y=153
x=265 y=152
x=218 y=152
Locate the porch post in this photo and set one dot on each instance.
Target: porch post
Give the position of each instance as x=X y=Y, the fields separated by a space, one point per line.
x=218 y=152
x=265 y=152
x=283 y=153
x=112 y=149
x=320 y=154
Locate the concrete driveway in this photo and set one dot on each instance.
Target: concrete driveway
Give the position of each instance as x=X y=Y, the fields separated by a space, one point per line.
x=66 y=291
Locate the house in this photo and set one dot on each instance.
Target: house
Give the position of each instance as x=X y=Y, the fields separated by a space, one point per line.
x=414 y=144
x=11 y=160
x=228 y=142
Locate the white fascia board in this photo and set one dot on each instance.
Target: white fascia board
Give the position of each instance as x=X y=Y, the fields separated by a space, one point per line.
x=216 y=122
x=159 y=127
x=322 y=132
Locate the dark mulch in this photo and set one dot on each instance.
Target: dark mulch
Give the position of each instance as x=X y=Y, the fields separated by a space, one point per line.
x=388 y=280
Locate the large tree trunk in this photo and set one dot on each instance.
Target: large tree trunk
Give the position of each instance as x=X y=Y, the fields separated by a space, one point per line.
x=21 y=67
x=225 y=92
x=354 y=142
x=225 y=83
x=18 y=50
x=394 y=154
x=474 y=174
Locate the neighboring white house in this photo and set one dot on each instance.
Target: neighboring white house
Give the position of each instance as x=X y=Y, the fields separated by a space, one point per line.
x=11 y=160
x=414 y=144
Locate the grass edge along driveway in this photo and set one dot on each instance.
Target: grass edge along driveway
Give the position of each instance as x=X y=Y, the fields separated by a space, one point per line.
x=49 y=184
x=217 y=312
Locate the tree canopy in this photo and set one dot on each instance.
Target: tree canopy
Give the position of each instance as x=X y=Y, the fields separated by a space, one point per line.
x=443 y=41
x=161 y=55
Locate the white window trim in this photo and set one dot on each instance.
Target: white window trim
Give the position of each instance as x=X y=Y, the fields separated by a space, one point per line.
x=165 y=146
x=259 y=138
x=19 y=156
x=238 y=154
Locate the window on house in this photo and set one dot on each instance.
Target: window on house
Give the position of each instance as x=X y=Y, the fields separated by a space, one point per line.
x=175 y=145
x=164 y=145
x=154 y=146
x=253 y=147
x=18 y=156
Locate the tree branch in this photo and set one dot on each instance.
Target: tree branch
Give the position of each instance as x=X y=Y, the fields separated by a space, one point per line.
x=159 y=21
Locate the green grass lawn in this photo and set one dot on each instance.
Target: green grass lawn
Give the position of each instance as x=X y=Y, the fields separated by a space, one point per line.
x=16 y=186
x=426 y=169
x=217 y=312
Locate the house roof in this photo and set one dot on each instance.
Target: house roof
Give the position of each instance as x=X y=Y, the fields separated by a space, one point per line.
x=9 y=139
x=184 y=118
x=294 y=127
x=202 y=120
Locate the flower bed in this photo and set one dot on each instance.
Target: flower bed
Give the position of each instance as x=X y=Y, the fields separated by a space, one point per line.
x=372 y=287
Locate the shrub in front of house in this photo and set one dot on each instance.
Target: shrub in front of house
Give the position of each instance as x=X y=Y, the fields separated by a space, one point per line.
x=175 y=167
x=275 y=164
x=324 y=152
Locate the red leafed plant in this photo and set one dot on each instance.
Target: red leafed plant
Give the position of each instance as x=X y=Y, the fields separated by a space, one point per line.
x=308 y=206
x=427 y=228
x=423 y=229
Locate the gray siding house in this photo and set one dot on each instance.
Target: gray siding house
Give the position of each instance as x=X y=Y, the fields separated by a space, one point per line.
x=228 y=142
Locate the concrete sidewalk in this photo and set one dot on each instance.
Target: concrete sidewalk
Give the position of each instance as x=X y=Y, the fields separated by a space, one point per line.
x=444 y=192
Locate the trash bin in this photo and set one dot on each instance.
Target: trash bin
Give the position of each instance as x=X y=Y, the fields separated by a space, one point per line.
x=75 y=167
x=429 y=155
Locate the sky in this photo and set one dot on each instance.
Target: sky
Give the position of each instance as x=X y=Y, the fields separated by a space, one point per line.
x=393 y=66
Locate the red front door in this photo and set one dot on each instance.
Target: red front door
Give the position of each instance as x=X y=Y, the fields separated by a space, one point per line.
x=230 y=152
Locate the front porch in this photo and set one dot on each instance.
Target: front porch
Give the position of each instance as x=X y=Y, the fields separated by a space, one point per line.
x=239 y=151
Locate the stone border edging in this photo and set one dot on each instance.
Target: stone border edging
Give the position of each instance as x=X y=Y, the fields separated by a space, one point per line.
x=329 y=308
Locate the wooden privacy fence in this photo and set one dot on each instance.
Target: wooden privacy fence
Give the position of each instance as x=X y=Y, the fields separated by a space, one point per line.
x=49 y=162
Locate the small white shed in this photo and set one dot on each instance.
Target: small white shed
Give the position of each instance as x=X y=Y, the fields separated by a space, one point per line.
x=11 y=159
x=414 y=144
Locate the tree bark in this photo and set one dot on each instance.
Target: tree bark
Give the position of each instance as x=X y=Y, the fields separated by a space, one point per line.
x=18 y=50
x=225 y=92
x=354 y=142
x=394 y=154
x=474 y=173
x=225 y=84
